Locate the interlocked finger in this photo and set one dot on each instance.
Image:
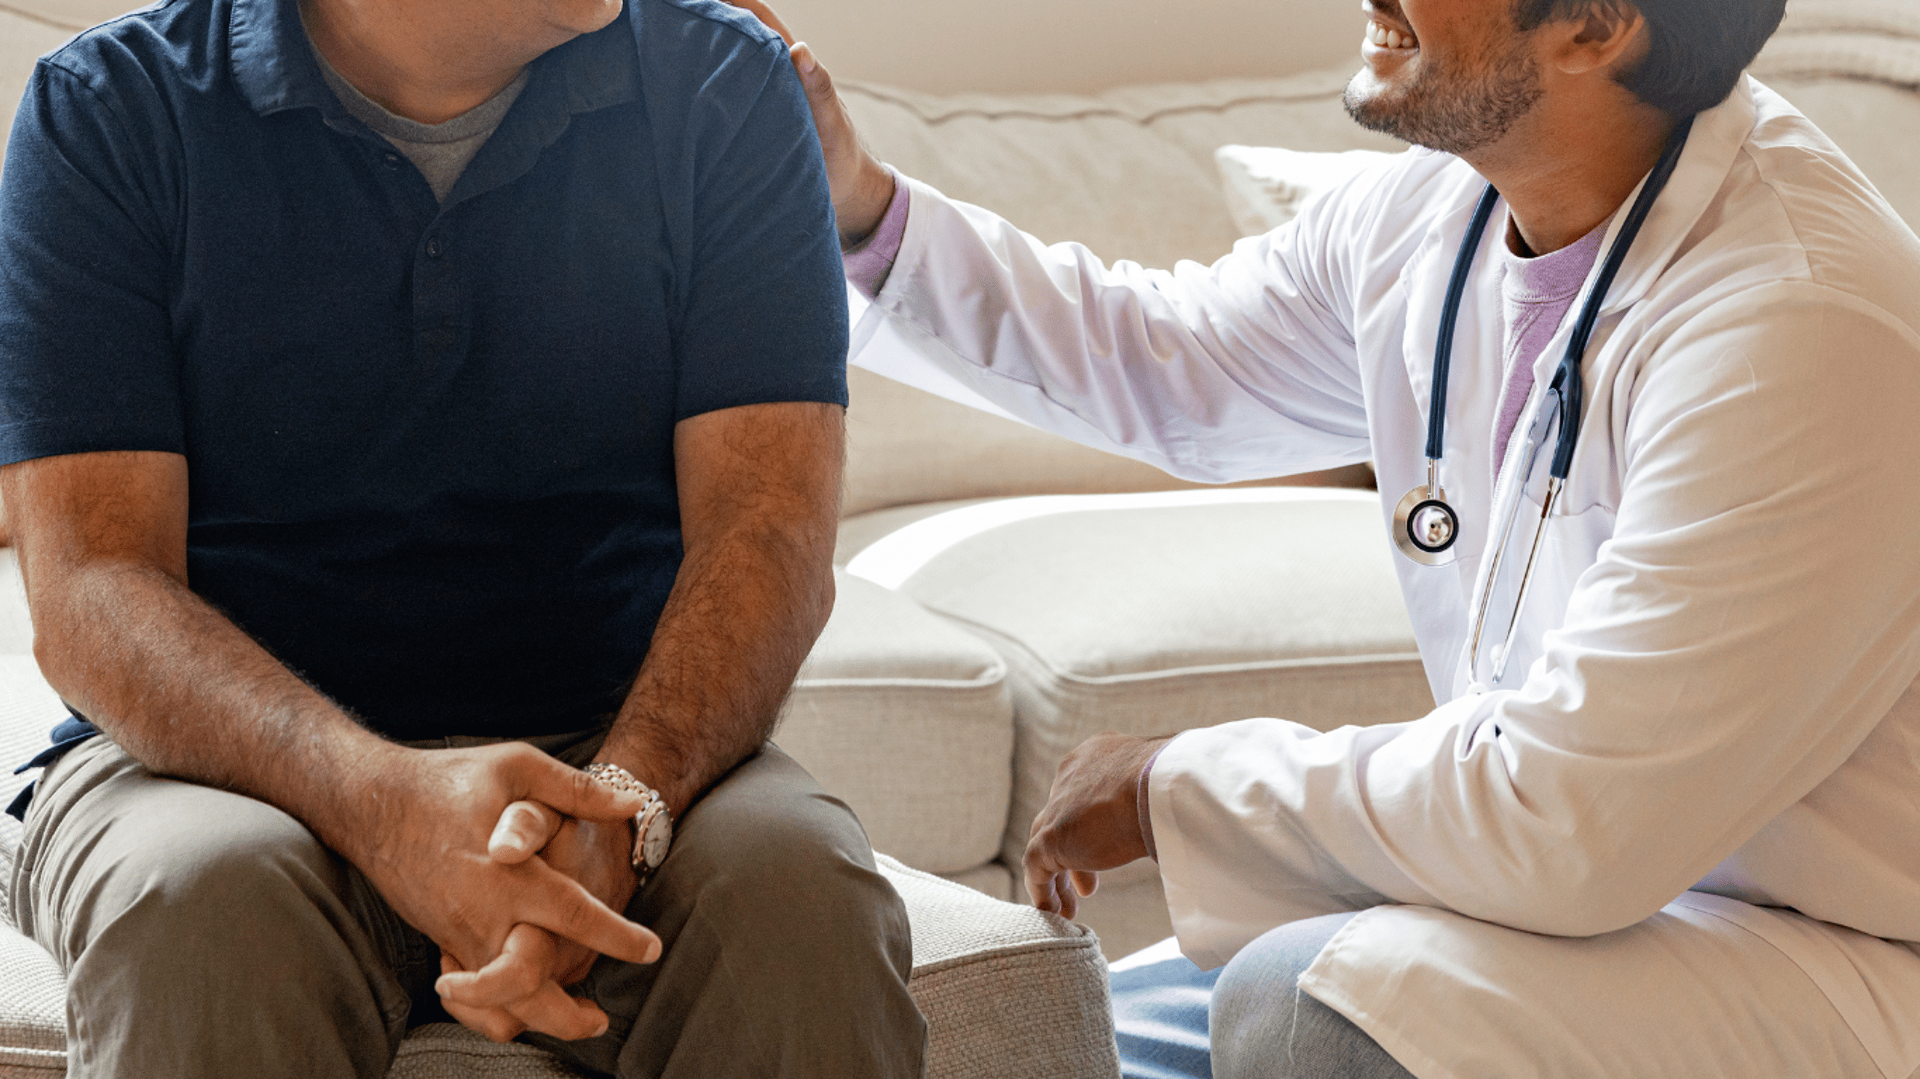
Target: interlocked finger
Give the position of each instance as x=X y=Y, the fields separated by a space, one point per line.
x=565 y=908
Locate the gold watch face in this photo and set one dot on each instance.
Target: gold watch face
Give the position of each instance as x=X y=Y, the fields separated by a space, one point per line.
x=655 y=836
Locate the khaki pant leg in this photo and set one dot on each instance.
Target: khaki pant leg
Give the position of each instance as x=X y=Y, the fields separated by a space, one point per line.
x=787 y=953
x=205 y=933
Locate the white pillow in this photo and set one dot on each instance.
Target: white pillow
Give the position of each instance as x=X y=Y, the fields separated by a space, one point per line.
x=1267 y=187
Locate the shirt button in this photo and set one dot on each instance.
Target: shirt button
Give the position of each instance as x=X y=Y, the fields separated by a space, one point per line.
x=393 y=160
x=433 y=247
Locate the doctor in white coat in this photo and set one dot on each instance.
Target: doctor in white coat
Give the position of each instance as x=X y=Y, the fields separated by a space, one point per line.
x=1667 y=820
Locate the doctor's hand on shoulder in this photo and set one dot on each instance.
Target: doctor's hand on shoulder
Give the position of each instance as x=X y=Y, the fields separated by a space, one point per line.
x=1094 y=820
x=862 y=187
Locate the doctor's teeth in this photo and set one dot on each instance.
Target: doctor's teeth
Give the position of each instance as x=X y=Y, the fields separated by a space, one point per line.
x=1388 y=38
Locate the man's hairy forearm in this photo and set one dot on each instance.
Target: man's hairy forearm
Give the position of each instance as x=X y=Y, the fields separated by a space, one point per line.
x=189 y=695
x=118 y=632
x=752 y=594
x=735 y=631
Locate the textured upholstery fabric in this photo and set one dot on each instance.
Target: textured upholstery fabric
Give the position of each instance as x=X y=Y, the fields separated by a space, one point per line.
x=32 y=996
x=1153 y=613
x=451 y=1051
x=1007 y=990
x=907 y=719
x=33 y=1025
x=16 y=629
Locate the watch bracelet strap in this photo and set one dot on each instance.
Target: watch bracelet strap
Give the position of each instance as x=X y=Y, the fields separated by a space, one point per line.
x=620 y=779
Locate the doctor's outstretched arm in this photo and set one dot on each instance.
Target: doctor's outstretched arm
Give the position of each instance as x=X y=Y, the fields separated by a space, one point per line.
x=1241 y=370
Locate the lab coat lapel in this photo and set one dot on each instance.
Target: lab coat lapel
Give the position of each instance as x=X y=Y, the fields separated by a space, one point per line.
x=1425 y=281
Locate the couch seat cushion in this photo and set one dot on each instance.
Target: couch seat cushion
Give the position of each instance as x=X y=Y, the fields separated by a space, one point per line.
x=33 y=1013
x=1159 y=612
x=907 y=718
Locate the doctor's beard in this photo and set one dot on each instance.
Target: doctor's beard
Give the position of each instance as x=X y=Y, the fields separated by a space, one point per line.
x=1454 y=108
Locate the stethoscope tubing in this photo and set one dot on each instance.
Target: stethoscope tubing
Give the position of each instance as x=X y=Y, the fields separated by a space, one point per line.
x=1566 y=386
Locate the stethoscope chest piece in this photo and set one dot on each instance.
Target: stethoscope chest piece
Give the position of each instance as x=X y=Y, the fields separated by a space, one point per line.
x=1425 y=527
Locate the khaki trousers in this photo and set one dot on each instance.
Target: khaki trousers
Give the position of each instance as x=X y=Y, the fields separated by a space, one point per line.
x=205 y=933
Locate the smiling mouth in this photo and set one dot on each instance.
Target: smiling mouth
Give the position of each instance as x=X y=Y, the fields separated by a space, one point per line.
x=1388 y=38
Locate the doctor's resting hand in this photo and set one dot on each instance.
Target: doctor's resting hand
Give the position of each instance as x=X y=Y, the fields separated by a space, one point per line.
x=862 y=187
x=1091 y=822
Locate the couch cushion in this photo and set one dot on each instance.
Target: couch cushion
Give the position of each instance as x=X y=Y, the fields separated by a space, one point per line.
x=33 y=1023
x=1008 y=992
x=1153 y=613
x=1268 y=186
x=906 y=718
x=907 y=447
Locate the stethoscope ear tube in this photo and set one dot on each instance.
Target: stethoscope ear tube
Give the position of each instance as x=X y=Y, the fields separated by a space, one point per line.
x=1449 y=318
x=1566 y=380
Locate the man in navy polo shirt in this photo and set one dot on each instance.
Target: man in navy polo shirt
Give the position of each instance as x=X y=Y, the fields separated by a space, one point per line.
x=405 y=402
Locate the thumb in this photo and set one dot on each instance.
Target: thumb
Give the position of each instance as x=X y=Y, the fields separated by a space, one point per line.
x=525 y=827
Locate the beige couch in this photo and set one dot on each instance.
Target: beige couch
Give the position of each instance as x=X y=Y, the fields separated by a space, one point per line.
x=1005 y=594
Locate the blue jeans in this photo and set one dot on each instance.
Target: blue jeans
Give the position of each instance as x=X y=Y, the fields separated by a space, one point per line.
x=1244 y=1021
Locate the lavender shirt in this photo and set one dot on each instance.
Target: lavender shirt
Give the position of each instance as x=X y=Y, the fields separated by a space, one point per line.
x=868 y=263
x=1535 y=294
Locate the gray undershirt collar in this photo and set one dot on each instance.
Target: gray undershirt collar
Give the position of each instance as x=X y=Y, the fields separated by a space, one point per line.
x=440 y=151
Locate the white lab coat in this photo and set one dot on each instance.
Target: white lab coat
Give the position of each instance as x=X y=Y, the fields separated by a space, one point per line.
x=1713 y=686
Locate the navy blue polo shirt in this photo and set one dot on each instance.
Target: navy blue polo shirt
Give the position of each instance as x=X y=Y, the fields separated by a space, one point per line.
x=430 y=446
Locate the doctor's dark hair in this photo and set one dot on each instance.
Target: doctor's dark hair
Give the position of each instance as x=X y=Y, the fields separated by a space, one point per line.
x=1699 y=48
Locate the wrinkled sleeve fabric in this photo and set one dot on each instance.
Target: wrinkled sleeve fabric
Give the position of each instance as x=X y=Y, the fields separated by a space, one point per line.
x=86 y=335
x=763 y=316
x=1239 y=370
x=1745 y=630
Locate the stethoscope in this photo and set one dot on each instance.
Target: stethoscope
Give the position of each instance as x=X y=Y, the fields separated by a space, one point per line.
x=1425 y=526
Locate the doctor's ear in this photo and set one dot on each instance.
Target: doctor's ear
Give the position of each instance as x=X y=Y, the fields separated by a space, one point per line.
x=1608 y=36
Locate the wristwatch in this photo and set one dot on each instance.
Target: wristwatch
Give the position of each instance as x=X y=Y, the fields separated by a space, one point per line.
x=652 y=826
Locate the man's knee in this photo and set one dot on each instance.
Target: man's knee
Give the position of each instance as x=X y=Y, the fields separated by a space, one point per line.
x=787 y=951
x=1263 y=1027
x=783 y=860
